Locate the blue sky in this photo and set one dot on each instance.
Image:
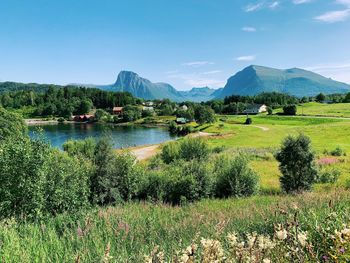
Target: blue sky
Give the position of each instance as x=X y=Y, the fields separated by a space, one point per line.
x=186 y=43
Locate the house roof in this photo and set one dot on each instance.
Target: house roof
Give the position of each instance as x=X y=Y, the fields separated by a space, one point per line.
x=117 y=108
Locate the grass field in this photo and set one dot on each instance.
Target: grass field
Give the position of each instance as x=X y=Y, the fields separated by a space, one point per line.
x=127 y=233
x=320 y=109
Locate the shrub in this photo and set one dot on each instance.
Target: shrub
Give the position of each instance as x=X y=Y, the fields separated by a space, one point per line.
x=193 y=148
x=234 y=177
x=290 y=110
x=296 y=164
x=61 y=120
x=170 y=152
x=116 y=176
x=269 y=110
x=11 y=125
x=338 y=152
x=67 y=183
x=204 y=114
x=22 y=177
x=328 y=176
x=37 y=180
x=83 y=148
x=248 y=121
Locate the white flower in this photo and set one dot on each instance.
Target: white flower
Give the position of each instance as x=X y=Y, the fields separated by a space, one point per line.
x=302 y=237
x=265 y=260
x=281 y=234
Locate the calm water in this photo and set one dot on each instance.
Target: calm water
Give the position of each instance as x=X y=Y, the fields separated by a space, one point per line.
x=122 y=136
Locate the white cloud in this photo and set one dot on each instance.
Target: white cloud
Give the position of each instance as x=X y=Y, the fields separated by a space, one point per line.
x=334 y=16
x=253 y=7
x=336 y=71
x=210 y=72
x=274 y=5
x=246 y=58
x=344 y=2
x=200 y=79
x=197 y=63
x=299 y=2
x=249 y=29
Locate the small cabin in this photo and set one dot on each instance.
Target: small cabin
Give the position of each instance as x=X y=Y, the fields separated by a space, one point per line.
x=255 y=109
x=181 y=120
x=117 y=110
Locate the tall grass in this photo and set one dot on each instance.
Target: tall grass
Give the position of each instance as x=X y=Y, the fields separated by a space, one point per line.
x=127 y=233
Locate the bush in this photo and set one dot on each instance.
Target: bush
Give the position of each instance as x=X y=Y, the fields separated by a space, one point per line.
x=67 y=186
x=269 y=110
x=170 y=152
x=37 y=181
x=234 y=177
x=11 y=125
x=204 y=114
x=328 y=176
x=193 y=148
x=338 y=152
x=83 y=148
x=290 y=110
x=181 y=181
x=296 y=164
x=248 y=121
x=61 y=120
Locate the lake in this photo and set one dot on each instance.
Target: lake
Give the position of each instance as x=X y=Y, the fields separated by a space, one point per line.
x=122 y=136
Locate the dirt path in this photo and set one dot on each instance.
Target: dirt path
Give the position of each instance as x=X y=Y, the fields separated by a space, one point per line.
x=145 y=152
x=262 y=127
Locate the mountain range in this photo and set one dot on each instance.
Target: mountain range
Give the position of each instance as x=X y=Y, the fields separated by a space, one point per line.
x=251 y=80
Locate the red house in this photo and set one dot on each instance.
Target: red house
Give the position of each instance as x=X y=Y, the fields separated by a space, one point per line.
x=117 y=110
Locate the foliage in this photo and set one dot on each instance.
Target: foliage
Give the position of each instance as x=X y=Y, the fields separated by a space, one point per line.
x=37 y=181
x=248 y=121
x=131 y=113
x=193 y=148
x=204 y=114
x=320 y=97
x=234 y=177
x=53 y=100
x=272 y=99
x=181 y=130
x=338 y=152
x=290 y=110
x=116 y=177
x=328 y=175
x=170 y=152
x=83 y=148
x=101 y=115
x=296 y=164
x=11 y=125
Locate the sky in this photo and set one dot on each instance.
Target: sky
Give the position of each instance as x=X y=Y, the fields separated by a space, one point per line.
x=186 y=43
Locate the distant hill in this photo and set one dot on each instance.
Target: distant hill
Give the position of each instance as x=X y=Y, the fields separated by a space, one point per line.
x=143 y=88
x=298 y=82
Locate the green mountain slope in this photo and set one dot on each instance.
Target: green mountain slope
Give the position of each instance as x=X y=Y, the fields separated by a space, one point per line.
x=256 y=79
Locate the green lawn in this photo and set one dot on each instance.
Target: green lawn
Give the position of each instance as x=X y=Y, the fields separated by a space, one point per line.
x=269 y=131
x=320 y=109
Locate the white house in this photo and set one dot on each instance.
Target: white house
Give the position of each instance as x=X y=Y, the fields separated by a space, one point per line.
x=255 y=109
x=147 y=108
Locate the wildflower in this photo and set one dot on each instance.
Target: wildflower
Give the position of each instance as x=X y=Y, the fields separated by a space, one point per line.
x=212 y=251
x=265 y=242
x=266 y=260
x=282 y=234
x=302 y=237
x=232 y=239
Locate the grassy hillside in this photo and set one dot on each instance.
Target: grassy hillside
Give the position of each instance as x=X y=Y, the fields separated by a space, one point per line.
x=323 y=110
